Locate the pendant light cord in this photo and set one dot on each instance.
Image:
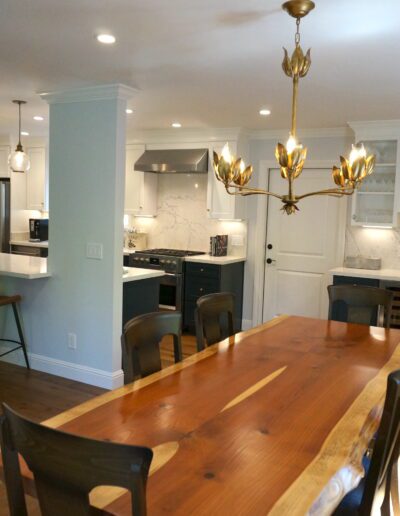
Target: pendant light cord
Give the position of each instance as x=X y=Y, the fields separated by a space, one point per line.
x=19 y=123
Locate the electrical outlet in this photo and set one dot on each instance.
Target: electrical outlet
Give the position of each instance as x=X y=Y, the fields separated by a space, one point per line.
x=237 y=240
x=94 y=251
x=72 y=341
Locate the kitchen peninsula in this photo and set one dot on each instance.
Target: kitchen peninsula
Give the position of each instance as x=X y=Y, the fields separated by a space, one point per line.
x=21 y=266
x=140 y=286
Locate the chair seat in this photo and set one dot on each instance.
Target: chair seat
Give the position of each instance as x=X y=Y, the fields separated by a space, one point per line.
x=8 y=300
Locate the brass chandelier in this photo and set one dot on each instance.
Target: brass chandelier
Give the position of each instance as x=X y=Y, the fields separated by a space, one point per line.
x=233 y=173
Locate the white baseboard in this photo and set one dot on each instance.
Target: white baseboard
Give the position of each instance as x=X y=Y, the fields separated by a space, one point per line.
x=247 y=324
x=77 y=372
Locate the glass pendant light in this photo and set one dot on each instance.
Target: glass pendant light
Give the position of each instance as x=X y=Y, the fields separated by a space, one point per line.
x=19 y=160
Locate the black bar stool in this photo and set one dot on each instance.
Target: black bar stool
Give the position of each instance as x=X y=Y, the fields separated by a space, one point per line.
x=13 y=301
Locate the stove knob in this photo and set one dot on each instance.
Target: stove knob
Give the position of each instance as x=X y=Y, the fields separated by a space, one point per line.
x=161 y=261
x=168 y=261
x=147 y=260
x=174 y=262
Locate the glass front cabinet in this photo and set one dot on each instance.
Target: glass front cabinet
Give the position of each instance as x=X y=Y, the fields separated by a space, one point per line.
x=376 y=202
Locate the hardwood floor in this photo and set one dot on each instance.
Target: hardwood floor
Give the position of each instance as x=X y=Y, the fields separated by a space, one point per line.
x=40 y=396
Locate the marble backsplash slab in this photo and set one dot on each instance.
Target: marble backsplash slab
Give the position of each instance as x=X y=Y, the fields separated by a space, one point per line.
x=374 y=243
x=182 y=220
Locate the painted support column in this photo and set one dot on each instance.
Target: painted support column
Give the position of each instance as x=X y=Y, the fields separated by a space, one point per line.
x=82 y=300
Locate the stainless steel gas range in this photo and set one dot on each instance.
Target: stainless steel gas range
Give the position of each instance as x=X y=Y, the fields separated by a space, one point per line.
x=172 y=262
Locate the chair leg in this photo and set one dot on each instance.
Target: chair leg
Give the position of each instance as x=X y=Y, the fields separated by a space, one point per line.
x=177 y=349
x=20 y=329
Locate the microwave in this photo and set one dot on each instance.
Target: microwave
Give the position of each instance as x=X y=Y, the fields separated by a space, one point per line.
x=38 y=230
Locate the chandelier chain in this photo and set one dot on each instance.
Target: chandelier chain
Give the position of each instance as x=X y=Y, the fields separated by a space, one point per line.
x=297 y=35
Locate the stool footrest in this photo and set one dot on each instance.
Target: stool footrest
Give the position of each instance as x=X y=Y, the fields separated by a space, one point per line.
x=12 y=340
x=11 y=350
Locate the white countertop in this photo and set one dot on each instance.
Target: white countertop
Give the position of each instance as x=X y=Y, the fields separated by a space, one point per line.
x=381 y=274
x=44 y=243
x=135 y=274
x=217 y=260
x=21 y=266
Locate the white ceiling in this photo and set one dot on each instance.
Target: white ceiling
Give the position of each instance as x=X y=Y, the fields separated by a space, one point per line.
x=203 y=62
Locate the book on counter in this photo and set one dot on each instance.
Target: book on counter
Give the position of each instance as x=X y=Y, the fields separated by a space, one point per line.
x=219 y=245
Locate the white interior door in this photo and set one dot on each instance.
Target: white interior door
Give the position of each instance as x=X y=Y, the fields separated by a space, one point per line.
x=303 y=247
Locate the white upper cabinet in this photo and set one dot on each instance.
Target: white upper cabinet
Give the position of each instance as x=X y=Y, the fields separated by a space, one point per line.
x=140 y=187
x=377 y=201
x=36 y=179
x=4 y=154
x=221 y=205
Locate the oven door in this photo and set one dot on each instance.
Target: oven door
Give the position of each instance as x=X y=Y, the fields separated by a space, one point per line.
x=171 y=293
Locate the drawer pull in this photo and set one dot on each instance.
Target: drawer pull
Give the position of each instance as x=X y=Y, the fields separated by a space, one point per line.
x=201 y=290
x=201 y=270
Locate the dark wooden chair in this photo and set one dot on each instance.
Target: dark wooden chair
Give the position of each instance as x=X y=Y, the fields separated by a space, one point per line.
x=363 y=305
x=14 y=302
x=382 y=469
x=214 y=318
x=67 y=467
x=141 y=343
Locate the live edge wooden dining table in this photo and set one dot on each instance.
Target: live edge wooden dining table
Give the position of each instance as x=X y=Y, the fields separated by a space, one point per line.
x=254 y=425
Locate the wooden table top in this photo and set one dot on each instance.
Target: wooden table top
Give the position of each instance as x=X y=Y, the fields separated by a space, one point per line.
x=254 y=425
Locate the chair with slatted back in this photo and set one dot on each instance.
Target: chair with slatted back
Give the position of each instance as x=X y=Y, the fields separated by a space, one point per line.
x=382 y=470
x=214 y=318
x=141 y=343
x=363 y=305
x=14 y=302
x=67 y=467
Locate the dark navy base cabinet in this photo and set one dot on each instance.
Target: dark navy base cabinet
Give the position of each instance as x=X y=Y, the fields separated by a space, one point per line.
x=205 y=278
x=140 y=297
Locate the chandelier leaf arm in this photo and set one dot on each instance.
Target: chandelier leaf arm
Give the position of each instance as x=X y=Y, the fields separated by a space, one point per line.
x=245 y=191
x=337 y=192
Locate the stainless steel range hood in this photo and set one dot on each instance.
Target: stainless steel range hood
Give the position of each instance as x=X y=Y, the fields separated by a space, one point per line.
x=171 y=161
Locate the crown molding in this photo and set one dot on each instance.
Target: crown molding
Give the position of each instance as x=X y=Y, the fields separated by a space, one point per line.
x=385 y=129
x=275 y=134
x=151 y=136
x=102 y=92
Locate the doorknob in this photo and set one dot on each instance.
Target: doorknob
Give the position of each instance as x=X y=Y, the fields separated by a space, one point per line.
x=270 y=260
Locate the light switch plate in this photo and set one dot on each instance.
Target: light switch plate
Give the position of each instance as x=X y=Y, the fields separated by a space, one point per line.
x=94 y=251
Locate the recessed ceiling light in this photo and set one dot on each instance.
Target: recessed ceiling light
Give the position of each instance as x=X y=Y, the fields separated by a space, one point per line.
x=107 y=39
x=24 y=133
x=38 y=118
x=265 y=112
x=176 y=125
x=129 y=111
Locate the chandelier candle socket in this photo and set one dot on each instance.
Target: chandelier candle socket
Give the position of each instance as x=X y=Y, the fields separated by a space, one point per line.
x=231 y=171
x=291 y=157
